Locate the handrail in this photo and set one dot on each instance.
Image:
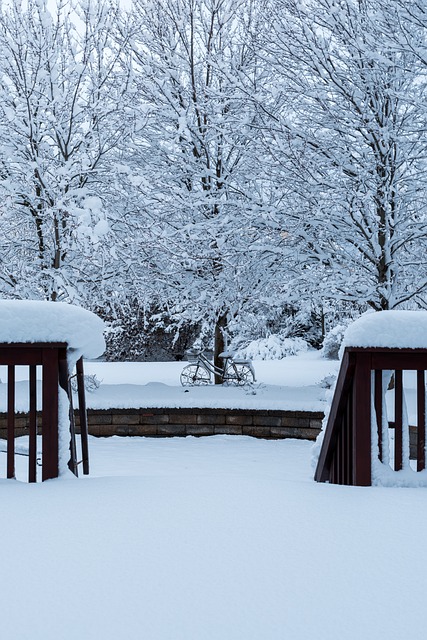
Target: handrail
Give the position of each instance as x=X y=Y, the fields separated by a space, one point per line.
x=339 y=402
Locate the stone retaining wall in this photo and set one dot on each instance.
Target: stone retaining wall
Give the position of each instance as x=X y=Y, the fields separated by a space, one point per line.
x=193 y=422
x=198 y=422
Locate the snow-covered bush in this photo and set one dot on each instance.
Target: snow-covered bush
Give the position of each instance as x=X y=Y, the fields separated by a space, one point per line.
x=274 y=347
x=333 y=341
x=140 y=333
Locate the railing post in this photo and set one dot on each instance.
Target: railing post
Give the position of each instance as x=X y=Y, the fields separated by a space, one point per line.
x=32 y=447
x=50 y=359
x=11 y=421
x=362 y=421
x=421 y=421
x=398 y=419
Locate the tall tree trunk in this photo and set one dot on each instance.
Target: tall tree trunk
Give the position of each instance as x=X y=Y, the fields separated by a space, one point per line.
x=219 y=343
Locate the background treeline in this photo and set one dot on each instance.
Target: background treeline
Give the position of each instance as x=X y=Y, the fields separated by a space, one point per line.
x=210 y=168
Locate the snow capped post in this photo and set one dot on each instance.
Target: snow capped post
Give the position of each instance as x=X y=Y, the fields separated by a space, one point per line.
x=360 y=445
x=53 y=336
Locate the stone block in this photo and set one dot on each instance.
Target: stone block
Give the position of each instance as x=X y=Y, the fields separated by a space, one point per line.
x=231 y=430
x=182 y=418
x=107 y=430
x=308 y=434
x=257 y=432
x=171 y=430
x=199 y=430
x=285 y=432
x=239 y=419
x=303 y=423
x=100 y=418
x=315 y=424
x=154 y=418
x=125 y=419
x=210 y=418
x=21 y=422
x=266 y=421
x=294 y=432
x=121 y=430
x=288 y=421
x=142 y=430
x=93 y=430
x=300 y=414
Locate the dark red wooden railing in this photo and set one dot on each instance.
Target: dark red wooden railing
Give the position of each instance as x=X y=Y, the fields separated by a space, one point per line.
x=346 y=456
x=52 y=357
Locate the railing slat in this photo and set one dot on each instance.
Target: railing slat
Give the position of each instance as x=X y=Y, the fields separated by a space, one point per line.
x=339 y=404
x=379 y=410
x=398 y=415
x=349 y=438
x=421 y=421
x=344 y=447
x=11 y=421
x=32 y=448
x=83 y=415
x=338 y=458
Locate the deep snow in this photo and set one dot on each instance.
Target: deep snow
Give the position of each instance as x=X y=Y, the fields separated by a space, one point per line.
x=219 y=538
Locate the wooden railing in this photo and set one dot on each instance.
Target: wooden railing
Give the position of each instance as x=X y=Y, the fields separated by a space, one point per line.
x=52 y=358
x=358 y=408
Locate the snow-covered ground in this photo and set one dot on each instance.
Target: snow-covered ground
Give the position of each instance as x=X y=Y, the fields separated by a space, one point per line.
x=291 y=383
x=220 y=538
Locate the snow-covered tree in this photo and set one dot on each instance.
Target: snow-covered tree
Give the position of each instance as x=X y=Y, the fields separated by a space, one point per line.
x=200 y=184
x=349 y=130
x=63 y=91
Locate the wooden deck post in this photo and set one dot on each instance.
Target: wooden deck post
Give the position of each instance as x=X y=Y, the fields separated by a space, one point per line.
x=11 y=421
x=362 y=421
x=421 y=421
x=50 y=357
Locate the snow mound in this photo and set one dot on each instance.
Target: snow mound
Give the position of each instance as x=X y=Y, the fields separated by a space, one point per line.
x=333 y=341
x=394 y=329
x=275 y=347
x=30 y=321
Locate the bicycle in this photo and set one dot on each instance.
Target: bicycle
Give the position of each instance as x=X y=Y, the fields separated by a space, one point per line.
x=233 y=371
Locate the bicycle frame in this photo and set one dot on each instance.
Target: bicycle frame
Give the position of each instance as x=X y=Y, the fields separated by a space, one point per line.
x=203 y=361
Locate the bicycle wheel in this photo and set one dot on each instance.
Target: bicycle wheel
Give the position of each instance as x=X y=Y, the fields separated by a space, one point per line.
x=194 y=374
x=239 y=374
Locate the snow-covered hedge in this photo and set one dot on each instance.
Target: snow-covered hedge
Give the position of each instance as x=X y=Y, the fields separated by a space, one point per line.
x=332 y=342
x=274 y=347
